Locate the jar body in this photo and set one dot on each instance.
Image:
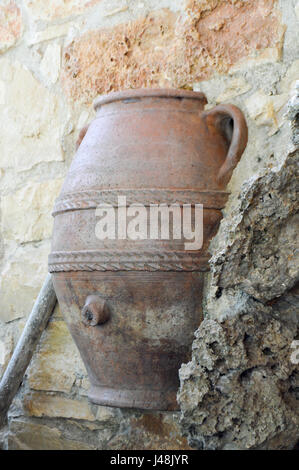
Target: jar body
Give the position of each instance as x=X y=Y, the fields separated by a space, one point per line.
x=149 y=148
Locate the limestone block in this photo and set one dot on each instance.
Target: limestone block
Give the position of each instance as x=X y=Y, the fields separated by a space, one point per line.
x=10 y=24
x=2 y=92
x=50 y=64
x=51 y=32
x=127 y=430
x=6 y=350
x=129 y=55
x=83 y=384
x=57 y=362
x=173 y=50
x=288 y=82
x=222 y=88
x=151 y=431
x=26 y=213
x=44 y=404
x=45 y=10
x=21 y=279
x=235 y=87
x=263 y=109
x=106 y=414
x=33 y=120
x=259 y=58
x=27 y=435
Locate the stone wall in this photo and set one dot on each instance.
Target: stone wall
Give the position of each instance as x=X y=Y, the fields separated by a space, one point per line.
x=55 y=57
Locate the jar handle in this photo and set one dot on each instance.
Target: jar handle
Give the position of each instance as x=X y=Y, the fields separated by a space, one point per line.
x=222 y=115
x=81 y=136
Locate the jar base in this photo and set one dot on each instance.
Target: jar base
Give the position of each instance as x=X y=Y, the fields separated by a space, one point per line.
x=142 y=399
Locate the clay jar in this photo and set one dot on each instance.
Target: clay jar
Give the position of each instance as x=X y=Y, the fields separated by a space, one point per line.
x=132 y=306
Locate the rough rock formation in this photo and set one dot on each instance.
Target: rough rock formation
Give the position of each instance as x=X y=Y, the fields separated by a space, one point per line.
x=239 y=390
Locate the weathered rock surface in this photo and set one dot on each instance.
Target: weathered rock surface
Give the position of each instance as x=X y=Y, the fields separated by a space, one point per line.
x=240 y=391
x=166 y=49
x=258 y=251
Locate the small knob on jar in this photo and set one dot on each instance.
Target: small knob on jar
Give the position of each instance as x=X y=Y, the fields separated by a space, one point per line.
x=95 y=311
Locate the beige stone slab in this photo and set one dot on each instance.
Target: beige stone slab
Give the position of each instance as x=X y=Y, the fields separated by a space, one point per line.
x=56 y=363
x=41 y=404
x=263 y=109
x=6 y=350
x=21 y=279
x=51 y=32
x=26 y=213
x=33 y=117
x=26 y=435
x=50 y=63
x=55 y=9
x=237 y=86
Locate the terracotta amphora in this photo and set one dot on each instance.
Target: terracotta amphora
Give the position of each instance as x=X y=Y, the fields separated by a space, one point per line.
x=132 y=305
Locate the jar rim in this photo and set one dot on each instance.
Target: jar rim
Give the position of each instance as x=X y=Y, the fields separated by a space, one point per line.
x=148 y=93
